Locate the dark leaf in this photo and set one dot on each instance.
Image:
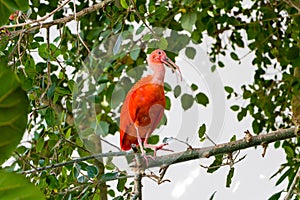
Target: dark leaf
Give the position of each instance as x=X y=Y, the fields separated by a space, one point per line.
x=13 y=113
x=229 y=177
x=275 y=196
x=153 y=139
x=235 y=107
x=16 y=186
x=202 y=99
x=201 y=131
x=177 y=91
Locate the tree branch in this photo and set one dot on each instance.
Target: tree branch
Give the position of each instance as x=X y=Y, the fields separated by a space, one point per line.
x=192 y=154
x=63 y=20
x=189 y=154
x=292 y=187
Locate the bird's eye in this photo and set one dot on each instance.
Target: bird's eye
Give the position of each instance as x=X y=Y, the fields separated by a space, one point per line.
x=159 y=52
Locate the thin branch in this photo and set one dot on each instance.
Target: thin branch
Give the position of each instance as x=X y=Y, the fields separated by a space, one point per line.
x=210 y=139
x=292 y=187
x=77 y=28
x=38 y=21
x=141 y=18
x=64 y=20
x=292 y=4
x=76 y=160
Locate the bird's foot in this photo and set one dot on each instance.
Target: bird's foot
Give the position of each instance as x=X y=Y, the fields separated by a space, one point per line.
x=146 y=157
x=156 y=148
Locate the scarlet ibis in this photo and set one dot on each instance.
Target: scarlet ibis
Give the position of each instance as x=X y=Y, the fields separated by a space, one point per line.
x=144 y=105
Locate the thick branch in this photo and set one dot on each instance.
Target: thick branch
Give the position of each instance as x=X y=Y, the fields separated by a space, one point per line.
x=192 y=154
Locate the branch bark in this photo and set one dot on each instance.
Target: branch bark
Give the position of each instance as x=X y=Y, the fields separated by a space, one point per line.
x=190 y=154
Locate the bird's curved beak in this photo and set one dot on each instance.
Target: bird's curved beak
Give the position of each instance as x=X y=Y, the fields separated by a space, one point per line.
x=167 y=61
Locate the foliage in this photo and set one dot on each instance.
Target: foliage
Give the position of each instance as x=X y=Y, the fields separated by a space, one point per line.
x=272 y=35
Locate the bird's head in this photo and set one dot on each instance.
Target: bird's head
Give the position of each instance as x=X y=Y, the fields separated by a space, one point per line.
x=158 y=57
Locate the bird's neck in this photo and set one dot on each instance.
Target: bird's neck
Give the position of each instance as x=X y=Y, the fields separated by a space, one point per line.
x=159 y=73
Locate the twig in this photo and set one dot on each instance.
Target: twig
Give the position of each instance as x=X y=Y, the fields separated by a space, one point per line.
x=224 y=164
x=159 y=179
x=184 y=142
x=265 y=146
x=109 y=143
x=210 y=139
x=141 y=18
x=38 y=20
x=293 y=4
x=295 y=181
x=76 y=160
x=77 y=28
x=48 y=67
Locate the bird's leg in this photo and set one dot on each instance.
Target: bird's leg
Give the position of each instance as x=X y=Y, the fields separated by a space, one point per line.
x=141 y=146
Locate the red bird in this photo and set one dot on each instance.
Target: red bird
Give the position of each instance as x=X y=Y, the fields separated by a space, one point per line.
x=144 y=105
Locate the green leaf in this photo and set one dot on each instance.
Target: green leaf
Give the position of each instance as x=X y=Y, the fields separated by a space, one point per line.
x=202 y=131
x=202 y=99
x=50 y=117
x=134 y=54
x=190 y=52
x=109 y=176
x=9 y=7
x=285 y=175
x=216 y=164
x=153 y=139
x=103 y=129
x=46 y=53
x=194 y=87
x=188 y=19
x=177 y=91
x=40 y=144
x=13 y=113
x=228 y=89
x=256 y=126
x=121 y=182
x=168 y=103
x=275 y=196
x=92 y=171
x=235 y=107
x=233 y=138
x=124 y=4
x=52 y=182
x=167 y=87
x=234 y=56
x=16 y=186
x=229 y=177
x=212 y=196
x=162 y=43
x=293 y=53
x=187 y=101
